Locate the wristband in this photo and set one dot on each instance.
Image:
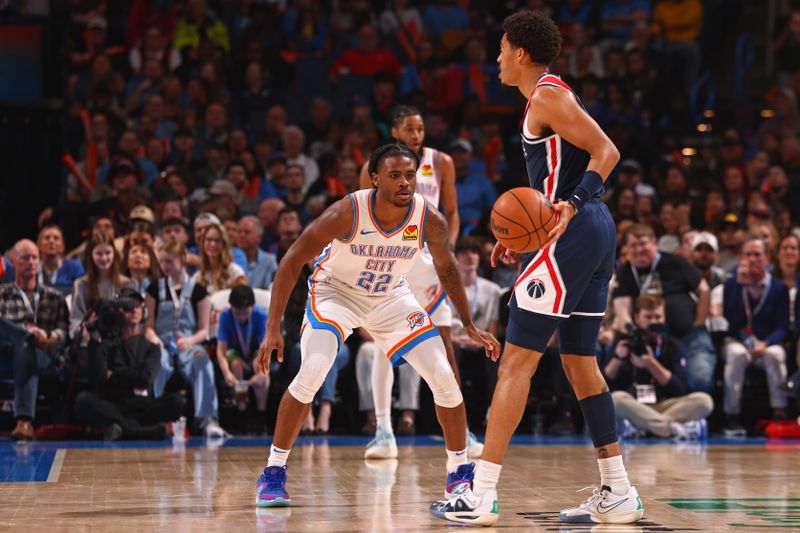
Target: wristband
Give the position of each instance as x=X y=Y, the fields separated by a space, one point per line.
x=586 y=189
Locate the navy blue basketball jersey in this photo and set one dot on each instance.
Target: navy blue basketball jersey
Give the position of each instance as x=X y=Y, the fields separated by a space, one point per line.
x=555 y=167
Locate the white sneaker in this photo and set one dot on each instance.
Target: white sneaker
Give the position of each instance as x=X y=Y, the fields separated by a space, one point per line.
x=467 y=508
x=474 y=446
x=691 y=430
x=605 y=507
x=383 y=446
x=214 y=431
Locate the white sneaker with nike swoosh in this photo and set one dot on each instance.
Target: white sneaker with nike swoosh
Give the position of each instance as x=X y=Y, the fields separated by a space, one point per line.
x=605 y=507
x=468 y=508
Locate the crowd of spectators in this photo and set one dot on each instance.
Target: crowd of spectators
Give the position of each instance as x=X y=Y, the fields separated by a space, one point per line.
x=202 y=137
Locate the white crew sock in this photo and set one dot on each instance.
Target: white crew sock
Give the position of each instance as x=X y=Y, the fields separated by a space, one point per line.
x=455 y=459
x=486 y=476
x=277 y=456
x=613 y=474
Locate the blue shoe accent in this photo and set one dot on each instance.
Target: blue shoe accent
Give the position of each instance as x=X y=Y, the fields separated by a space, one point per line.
x=271 y=488
x=460 y=479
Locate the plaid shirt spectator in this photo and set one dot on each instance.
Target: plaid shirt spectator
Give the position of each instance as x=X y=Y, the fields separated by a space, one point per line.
x=51 y=311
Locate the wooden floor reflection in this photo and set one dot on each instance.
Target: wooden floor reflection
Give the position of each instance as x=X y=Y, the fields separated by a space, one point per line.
x=684 y=488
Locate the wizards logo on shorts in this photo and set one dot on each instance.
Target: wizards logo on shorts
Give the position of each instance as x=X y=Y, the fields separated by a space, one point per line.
x=416 y=319
x=427 y=170
x=535 y=288
x=411 y=233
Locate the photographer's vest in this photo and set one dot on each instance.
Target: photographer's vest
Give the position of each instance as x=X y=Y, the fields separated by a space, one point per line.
x=175 y=314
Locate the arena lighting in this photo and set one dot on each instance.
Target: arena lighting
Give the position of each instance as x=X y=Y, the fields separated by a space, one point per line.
x=704 y=127
x=708 y=113
x=767 y=113
x=689 y=151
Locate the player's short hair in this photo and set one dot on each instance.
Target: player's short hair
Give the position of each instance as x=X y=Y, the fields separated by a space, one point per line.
x=535 y=33
x=390 y=150
x=400 y=112
x=640 y=230
x=648 y=302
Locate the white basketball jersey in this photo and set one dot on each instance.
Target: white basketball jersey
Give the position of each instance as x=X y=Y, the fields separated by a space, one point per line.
x=428 y=176
x=373 y=261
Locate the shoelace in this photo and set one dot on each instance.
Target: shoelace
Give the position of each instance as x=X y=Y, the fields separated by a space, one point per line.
x=275 y=481
x=377 y=440
x=597 y=494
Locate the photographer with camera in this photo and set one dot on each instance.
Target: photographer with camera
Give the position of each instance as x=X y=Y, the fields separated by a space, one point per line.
x=756 y=306
x=122 y=368
x=33 y=325
x=647 y=374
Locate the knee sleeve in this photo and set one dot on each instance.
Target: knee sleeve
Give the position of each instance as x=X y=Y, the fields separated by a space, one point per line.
x=434 y=368
x=318 y=349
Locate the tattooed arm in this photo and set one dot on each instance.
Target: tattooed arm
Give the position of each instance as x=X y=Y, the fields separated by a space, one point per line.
x=435 y=233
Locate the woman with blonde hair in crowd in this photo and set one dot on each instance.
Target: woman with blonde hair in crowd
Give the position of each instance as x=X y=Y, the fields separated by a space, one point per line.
x=178 y=316
x=54 y=270
x=103 y=280
x=141 y=264
x=786 y=267
x=217 y=269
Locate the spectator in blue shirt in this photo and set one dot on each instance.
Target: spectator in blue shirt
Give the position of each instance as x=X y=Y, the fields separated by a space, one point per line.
x=476 y=194
x=619 y=17
x=756 y=306
x=54 y=270
x=446 y=15
x=240 y=332
x=261 y=265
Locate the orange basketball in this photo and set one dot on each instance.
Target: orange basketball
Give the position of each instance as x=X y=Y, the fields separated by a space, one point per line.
x=522 y=218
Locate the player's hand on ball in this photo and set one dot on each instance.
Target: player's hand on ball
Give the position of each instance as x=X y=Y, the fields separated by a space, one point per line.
x=564 y=213
x=490 y=345
x=273 y=341
x=508 y=257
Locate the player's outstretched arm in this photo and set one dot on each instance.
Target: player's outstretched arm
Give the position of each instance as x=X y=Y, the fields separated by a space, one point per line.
x=436 y=235
x=335 y=222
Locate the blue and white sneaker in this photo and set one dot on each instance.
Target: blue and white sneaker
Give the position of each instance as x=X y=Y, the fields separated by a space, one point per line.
x=605 y=507
x=467 y=508
x=626 y=429
x=474 y=446
x=460 y=480
x=691 y=430
x=383 y=446
x=271 y=488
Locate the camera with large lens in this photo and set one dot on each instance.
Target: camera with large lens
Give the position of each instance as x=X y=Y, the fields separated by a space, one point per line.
x=638 y=339
x=109 y=320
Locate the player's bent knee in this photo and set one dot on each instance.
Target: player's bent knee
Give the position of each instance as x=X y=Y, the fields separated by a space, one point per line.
x=318 y=349
x=445 y=388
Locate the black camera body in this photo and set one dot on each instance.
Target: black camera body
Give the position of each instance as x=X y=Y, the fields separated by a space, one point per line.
x=109 y=321
x=639 y=339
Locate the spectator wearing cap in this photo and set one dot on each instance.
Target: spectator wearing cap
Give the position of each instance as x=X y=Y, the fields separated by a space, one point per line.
x=121 y=376
x=174 y=229
x=731 y=237
x=756 y=306
x=55 y=271
x=261 y=266
x=241 y=330
x=703 y=255
x=686 y=295
x=629 y=174
x=33 y=323
x=476 y=193
x=236 y=174
x=367 y=58
x=293 y=143
x=94 y=43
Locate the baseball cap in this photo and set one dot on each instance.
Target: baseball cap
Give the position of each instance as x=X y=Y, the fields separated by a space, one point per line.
x=462 y=144
x=130 y=292
x=222 y=188
x=142 y=212
x=242 y=296
x=174 y=221
x=207 y=217
x=730 y=220
x=705 y=237
x=629 y=165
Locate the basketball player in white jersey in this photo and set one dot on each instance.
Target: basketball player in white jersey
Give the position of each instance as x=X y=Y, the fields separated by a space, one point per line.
x=360 y=281
x=436 y=182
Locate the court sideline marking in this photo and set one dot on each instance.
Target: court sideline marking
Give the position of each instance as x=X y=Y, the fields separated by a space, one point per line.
x=55 y=466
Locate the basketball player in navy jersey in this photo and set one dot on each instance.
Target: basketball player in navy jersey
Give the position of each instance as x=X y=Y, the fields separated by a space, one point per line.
x=360 y=281
x=568 y=158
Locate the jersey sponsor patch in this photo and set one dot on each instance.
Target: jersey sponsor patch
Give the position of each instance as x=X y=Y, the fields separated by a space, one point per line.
x=411 y=233
x=416 y=319
x=426 y=170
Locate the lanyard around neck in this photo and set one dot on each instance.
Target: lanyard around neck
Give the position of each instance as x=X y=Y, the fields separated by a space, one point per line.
x=644 y=285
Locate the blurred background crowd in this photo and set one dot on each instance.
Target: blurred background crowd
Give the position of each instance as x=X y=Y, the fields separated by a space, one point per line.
x=193 y=140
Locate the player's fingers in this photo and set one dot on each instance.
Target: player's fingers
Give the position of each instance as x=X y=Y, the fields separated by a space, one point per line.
x=279 y=349
x=496 y=251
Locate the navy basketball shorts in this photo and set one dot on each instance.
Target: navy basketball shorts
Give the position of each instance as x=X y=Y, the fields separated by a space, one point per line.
x=565 y=286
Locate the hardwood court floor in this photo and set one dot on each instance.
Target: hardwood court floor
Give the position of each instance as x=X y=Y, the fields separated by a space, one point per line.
x=78 y=487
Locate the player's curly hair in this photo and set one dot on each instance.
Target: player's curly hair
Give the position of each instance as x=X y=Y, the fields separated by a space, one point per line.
x=398 y=113
x=535 y=33
x=390 y=150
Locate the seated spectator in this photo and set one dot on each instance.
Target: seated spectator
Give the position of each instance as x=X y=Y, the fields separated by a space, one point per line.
x=367 y=58
x=703 y=255
x=679 y=23
x=177 y=321
x=236 y=174
x=33 y=327
x=647 y=376
x=217 y=269
x=121 y=374
x=619 y=17
x=240 y=332
x=295 y=199
x=268 y=216
x=54 y=270
x=140 y=264
x=756 y=306
x=6 y=269
x=444 y=18
x=786 y=267
x=289 y=227
x=261 y=265
x=174 y=229
x=686 y=297
x=154 y=46
x=103 y=281
x=294 y=141
x=201 y=222
x=731 y=236
x=476 y=194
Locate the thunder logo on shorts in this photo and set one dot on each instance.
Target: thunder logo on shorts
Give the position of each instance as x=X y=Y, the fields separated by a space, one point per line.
x=416 y=319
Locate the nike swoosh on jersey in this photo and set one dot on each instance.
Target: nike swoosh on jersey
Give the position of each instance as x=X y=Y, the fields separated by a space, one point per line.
x=368 y=232
x=604 y=510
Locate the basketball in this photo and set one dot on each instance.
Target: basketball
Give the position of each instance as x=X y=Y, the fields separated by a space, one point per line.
x=521 y=219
